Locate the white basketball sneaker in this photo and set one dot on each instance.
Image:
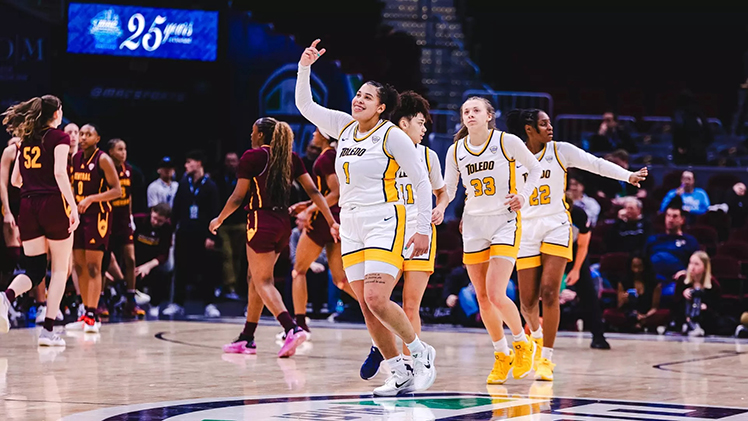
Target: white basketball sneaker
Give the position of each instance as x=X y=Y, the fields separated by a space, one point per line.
x=424 y=370
x=397 y=384
x=47 y=338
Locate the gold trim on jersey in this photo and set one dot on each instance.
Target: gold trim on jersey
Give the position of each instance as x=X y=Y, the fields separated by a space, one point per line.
x=371 y=132
x=340 y=135
x=561 y=164
x=423 y=264
x=90 y=158
x=512 y=169
x=485 y=146
x=545 y=148
x=389 y=186
x=428 y=158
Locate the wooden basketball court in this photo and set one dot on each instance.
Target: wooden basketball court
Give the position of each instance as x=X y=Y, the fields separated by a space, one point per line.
x=176 y=370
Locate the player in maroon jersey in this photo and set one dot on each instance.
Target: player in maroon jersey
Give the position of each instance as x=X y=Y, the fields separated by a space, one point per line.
x=95 y=184
x=316 y=234
x=121 y=240
x=266 y=174
x=45 y=219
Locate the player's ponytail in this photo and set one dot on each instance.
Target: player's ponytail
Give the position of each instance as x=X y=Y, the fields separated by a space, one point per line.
x=27 y=119
x=463 y=131
x=279 y=169
x=518 y=119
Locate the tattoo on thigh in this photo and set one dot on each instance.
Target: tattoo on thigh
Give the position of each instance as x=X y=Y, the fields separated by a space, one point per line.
x=374 y=278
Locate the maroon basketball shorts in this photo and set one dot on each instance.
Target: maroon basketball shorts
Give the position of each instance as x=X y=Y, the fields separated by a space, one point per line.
x=44 y=215
x=122 y=234
x=93 y=232
x=320 y=232
x=268 y=231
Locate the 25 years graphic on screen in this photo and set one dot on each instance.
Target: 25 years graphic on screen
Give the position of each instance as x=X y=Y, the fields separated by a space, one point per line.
x=142 y=31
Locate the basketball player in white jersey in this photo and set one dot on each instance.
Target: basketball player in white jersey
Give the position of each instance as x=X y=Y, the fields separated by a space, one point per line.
x=486 y=158
x=371 y=150
x=411 y=116
x=547 y=229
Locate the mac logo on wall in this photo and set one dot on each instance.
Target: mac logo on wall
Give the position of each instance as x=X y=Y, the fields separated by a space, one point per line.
x=105 y=29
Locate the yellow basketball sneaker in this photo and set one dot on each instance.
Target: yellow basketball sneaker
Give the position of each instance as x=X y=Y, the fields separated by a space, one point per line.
x=544 y=370
x=501 y=367
x=538 y=347
x=524 y=354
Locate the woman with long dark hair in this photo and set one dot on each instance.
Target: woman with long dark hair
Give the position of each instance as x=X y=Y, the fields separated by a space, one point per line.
x=370 y=152
x=266 y=173
x=547 y=238
x=47 y=214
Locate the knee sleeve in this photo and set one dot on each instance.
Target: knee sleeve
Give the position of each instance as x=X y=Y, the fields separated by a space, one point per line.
x=36 y=268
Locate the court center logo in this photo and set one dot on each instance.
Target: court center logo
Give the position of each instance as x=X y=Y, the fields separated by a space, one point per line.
x=497 y=404
x=105 y=28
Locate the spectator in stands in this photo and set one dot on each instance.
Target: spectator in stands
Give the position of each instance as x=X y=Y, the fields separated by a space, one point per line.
x=695 y=200
x=630 y=231
x=195 y=205
x=638 y=304
x=696 y=297
x=691 y=132
x=460 y=296
x=233 y=231
x=612 y=135
x=152 y=239
x=737 y=205
x=669 y=252
x=575 y=195
x=163 y=189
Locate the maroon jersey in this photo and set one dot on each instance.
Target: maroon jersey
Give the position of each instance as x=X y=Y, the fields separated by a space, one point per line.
x=121 y=206
x=324 y=165
x=37 y=160
x=89 y=179
x=254 y=166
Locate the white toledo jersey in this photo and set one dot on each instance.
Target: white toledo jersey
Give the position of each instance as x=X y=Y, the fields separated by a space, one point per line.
x=487 y=174
x=364 y=167
x=430 y=161
x=549 y=198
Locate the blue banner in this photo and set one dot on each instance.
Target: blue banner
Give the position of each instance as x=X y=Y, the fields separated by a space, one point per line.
x=136 y=31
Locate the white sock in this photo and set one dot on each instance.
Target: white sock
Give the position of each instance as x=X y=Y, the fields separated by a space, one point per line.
x=416 y=347
x=397 y=364
x=521 y=337
x=501 y=346
x=537 y=334
x=547 y=353
x=374 y=344
x=408 y=359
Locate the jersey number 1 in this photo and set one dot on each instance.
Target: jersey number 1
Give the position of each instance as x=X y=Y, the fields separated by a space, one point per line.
x=406 y=191
x=30 y=157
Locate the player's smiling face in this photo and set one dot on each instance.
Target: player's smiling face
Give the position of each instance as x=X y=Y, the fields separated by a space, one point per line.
x=365 y=104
